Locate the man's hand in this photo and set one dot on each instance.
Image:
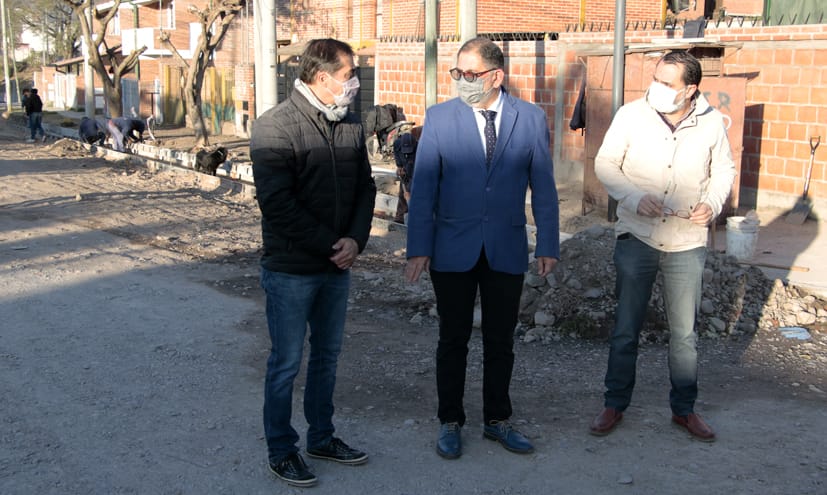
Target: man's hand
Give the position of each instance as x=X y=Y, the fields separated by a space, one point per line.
x=545 y=265
x=701 y=214
x=650 y=206
x=416 y=265
x=346 y=252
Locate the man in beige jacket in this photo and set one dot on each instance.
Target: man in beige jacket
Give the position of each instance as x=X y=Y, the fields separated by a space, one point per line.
x=667 y=161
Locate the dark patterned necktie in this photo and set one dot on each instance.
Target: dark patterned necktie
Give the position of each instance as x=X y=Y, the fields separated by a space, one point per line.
x=490 y=134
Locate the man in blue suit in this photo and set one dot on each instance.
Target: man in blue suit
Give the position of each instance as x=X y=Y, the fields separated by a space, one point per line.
x=467 y=226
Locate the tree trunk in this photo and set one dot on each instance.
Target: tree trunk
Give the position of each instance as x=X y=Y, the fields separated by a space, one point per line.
x=112 y=94
x=195 y=82
x=197 y=118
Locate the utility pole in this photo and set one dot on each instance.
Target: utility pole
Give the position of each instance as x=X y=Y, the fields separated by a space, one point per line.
x=5 y=56
x=430 y=52
x=88 y=76
x=618 y=72
x=468 y=20
x=266 y=56
x=15 y=75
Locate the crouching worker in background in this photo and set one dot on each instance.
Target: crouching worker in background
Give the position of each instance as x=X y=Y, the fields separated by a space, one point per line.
x=91 y=130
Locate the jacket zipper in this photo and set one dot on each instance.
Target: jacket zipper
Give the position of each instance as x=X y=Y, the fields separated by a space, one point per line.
x=331 y=143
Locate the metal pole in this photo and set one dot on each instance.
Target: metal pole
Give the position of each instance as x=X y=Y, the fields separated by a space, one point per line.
x=430 y=52
x=618 y=71
x=88 y=75
x=5 y=56
x=468 y=20
x=266 y=70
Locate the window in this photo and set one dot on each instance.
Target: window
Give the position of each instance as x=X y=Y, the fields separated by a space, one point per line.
x=115 y=24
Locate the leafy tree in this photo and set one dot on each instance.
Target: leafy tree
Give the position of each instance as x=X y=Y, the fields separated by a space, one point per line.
x=101 y=54
x=215 y=20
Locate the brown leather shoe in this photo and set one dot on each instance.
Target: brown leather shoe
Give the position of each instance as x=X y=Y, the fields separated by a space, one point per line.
x=695 y=426
x=605 y=422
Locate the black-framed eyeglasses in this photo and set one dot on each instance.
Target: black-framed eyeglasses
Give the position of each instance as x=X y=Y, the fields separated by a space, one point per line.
x=469 y=76
x=669 y=212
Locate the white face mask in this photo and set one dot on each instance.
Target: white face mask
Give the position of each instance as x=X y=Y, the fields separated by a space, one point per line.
x=349 y=90
x=662 y=98
x=472 y=93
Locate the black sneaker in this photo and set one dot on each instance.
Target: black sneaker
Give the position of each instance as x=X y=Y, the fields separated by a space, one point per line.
x=293 y=470
x=337 y=450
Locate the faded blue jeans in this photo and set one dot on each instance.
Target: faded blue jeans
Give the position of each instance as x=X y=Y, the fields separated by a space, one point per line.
x=637 y=265
x=36 y=123
x=295 y=302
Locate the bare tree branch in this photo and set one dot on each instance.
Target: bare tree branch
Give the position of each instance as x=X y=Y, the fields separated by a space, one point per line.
x=95 y=38
x=215 y=20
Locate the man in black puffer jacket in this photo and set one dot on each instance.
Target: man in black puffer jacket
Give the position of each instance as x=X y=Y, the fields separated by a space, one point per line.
x=316 y=195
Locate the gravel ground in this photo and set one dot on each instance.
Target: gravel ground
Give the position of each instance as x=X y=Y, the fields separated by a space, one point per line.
x=133 y=347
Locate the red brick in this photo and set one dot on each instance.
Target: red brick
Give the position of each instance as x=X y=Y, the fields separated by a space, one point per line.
x=799 y=95
x=774 y=166
x=807 y=114
x=787 y=185
x=780 y=94
x=791 y=75
x=783 y=56
x=785 y=149
x=797 y=132
x=770 y=75
x=803 y=57
x=818 y=95
x=794 y=168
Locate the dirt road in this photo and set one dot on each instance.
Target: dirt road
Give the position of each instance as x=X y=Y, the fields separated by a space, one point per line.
x=133 y=346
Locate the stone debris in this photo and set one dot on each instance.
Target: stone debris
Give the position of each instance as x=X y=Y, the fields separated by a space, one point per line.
x=578 y=297
x=68 y=148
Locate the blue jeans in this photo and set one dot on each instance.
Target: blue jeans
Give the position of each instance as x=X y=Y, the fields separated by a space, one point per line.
x=293 y=303
x=35 y=123
x=637 y=265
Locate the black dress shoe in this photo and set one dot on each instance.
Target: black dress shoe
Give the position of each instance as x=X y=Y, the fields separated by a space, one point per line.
x=605 y=422
x=293 y=470
x=449 y=444
x=338 y=451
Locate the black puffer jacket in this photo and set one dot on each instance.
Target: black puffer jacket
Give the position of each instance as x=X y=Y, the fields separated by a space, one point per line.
x=33 y=104
x=313 y=185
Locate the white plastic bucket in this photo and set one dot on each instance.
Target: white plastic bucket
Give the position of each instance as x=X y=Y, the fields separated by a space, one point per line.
x=741 y=238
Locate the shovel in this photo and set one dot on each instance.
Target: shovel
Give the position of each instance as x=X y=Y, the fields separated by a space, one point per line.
x=802 y=207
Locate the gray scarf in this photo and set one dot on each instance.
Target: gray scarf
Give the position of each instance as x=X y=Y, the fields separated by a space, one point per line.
x=331 y=112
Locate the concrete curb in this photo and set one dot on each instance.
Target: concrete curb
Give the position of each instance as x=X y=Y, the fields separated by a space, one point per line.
x=232 y=176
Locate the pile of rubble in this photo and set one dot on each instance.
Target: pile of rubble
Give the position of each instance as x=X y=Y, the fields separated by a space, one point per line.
x=68 y=148
x=577 y=298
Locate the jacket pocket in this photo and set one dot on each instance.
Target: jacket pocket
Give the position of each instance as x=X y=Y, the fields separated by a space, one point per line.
x=518 y=220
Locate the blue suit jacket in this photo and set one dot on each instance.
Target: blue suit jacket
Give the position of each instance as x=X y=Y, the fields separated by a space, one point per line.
x=458 y=207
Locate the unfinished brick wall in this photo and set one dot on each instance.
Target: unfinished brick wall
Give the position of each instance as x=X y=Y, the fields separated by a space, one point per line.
x=406 y=17
x=786 y=105
x=532 y=69
x=786 y=99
